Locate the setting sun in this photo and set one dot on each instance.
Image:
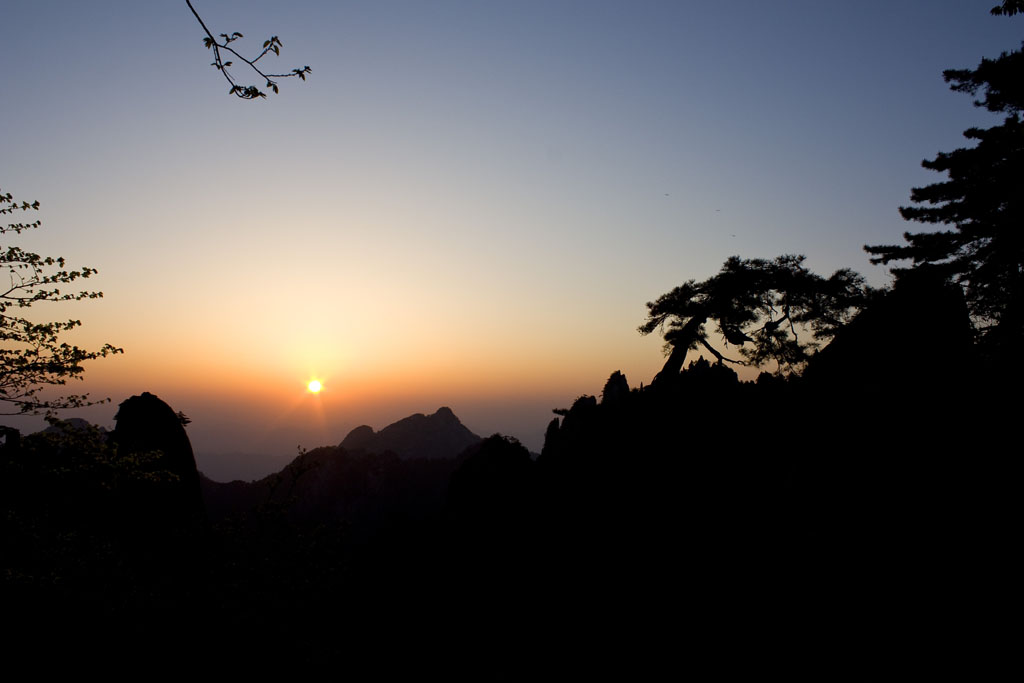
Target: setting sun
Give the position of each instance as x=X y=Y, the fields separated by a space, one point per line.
x=314 y=386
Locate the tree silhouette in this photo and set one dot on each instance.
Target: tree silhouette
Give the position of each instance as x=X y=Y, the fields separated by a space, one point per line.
x=271 y=44
x=1008 y=8
x=32 y=357
x=983 y=202
x=771 y=310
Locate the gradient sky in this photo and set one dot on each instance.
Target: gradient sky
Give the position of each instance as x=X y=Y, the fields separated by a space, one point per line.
x=467 y=204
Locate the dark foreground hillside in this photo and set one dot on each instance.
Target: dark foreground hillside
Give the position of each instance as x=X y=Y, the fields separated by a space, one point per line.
x=813 y=526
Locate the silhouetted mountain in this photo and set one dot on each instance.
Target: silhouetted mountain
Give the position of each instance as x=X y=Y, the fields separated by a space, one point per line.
x=440 y=435
x=76 y=423
x=360 y=488
x=145 y=424
x=491 y=499
x=373 y=479
x=165 y=504
x=245 y=465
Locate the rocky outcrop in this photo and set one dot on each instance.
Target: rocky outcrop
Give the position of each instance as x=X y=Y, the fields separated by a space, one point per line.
x=149 y=432
x=616 y=388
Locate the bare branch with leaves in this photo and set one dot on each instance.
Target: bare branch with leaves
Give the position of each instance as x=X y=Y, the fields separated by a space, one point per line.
x=223 y=46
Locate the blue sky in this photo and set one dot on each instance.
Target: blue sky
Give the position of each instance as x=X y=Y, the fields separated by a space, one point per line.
x=468 y=203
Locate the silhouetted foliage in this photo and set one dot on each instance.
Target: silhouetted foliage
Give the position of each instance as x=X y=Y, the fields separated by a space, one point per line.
x=271 y=44
x=32 y=355
x=983 y=202
x=1008 y=8
x=774 y=311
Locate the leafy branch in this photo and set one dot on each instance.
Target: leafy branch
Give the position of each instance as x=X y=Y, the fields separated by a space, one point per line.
x=32 y=356
x=245 y=92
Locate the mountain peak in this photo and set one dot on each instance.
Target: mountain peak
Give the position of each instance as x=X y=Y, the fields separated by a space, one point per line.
x=359 y=438
x=441 y=435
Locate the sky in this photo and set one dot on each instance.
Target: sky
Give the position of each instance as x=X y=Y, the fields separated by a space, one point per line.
x=467 y=204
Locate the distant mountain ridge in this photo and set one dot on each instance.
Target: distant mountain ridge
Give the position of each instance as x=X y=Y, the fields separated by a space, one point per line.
x=402 y=471
x=72 y=423
x=419 y=436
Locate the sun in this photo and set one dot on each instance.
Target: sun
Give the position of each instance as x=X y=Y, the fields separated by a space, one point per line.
x=314 y=386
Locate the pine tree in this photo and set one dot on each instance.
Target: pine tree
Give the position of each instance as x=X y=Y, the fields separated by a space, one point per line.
x=773 y=311
x=983 y=201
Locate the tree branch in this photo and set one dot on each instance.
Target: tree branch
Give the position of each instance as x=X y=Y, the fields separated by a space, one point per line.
x=719 y=356
x=249 y=92
x=32 y=356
